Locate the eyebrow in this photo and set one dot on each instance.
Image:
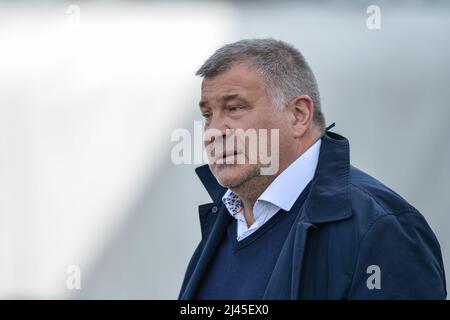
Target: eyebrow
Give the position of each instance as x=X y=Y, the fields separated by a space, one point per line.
x=224 y=98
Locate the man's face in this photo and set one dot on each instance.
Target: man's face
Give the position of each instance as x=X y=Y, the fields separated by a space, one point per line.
x=238 y=99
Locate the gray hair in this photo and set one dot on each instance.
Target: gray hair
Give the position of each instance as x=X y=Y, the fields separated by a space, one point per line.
x=284 y=68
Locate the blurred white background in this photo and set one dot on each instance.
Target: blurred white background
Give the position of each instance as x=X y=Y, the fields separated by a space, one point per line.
x=90 y=93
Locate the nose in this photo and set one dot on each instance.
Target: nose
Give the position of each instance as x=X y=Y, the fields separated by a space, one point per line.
x=216 y=128
x=218 y=122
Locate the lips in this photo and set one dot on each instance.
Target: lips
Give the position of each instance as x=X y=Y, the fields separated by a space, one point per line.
x=226 y=155
x=229 y=154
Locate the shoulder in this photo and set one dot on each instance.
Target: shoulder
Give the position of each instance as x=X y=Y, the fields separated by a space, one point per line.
x=371 y=200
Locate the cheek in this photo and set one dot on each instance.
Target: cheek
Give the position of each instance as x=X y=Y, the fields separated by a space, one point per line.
x=285 y=140
x=278 y=130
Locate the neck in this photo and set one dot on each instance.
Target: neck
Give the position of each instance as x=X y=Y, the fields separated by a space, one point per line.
x=250 y=191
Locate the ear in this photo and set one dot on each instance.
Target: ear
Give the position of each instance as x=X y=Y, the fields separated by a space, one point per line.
x=301 y=109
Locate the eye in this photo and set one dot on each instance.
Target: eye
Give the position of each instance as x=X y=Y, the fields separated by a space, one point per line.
x=206 y=115
x=234 y=108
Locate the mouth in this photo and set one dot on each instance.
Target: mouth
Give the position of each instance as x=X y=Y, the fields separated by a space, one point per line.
x=226 y=158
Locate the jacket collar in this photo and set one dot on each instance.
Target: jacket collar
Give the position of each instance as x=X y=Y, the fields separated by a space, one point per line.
x=329 y=196
x=215 y=190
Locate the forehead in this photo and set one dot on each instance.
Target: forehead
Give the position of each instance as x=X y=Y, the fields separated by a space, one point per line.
x=240 y=79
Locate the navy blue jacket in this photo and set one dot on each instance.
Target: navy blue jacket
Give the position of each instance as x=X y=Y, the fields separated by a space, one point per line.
x=353 y=239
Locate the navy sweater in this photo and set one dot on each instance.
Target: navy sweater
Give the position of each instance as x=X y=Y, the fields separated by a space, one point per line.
x=242 y=269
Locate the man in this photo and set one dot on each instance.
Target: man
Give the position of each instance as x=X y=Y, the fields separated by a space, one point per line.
x=318 y=228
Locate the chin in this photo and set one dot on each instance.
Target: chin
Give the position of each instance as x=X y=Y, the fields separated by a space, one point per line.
x=232 y=176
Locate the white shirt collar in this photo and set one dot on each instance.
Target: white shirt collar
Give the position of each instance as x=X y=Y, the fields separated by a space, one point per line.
x=287 y=187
